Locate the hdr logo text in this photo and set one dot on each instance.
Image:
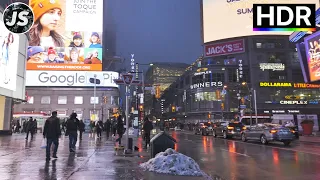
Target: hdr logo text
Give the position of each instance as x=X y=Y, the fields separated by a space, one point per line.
x=284 y=17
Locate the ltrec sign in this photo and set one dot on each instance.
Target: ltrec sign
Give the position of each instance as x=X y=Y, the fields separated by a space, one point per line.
x=70 y=78
x=289 y=84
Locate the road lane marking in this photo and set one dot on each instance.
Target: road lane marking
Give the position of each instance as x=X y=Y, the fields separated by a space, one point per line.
x=234 y=152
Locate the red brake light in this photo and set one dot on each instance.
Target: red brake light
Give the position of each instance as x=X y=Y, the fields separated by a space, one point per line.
x=230 y=128
x=273 y=131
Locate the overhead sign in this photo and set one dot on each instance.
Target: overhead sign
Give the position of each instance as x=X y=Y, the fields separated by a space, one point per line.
x=225 y=48
x=272 y=66
x=206 y=85
x=202 y=73
x=294 y=102
x=289 y=84
x=71 y=78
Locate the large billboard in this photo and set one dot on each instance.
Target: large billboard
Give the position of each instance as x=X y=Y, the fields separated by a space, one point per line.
x=9 y=51
x=225 y=48
x=66 y=35
x=71 y=78
x=233 y=18
x=312 y=45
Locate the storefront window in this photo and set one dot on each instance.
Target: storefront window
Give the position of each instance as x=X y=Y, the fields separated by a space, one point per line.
x=94 y=100
x=62 y=99
x=45 y=100
x=78 y=100
x=205 y=96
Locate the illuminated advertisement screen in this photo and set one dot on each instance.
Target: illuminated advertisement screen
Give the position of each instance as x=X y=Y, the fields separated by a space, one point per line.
x=313 y=55
x=9 y=51
x=224 y=19
x=66 y=35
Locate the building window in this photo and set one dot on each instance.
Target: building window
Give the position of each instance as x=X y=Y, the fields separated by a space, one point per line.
x=78 y=100
x=94 y=100
x=45 y=100
x=30 y=100
x=232 y=75
x=62 y=99
x=259 y=45
x=115 y=100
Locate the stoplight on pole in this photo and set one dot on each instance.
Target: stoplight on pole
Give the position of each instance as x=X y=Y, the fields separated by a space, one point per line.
x=141 y=107
x=173 y=108
x=105 y=99
x=222 y=106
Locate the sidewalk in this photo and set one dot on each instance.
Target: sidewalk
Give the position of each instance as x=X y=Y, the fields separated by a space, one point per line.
x=94 y=159
x=311 y=139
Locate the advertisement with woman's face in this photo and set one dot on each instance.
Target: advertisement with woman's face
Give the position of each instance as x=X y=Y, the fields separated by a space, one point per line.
x=8 y=58
x=60 y=36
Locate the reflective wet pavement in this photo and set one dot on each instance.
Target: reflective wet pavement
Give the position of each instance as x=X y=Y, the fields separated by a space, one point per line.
x=94 y=159
x=237 y=160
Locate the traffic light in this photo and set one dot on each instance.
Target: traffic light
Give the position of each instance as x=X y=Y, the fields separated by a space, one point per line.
x=209 y=116
x=218 y=94
x=243 y=100
x=141 y=107
x=173 y=108
x=105 y=99
x=222 y=106
x=158 y=92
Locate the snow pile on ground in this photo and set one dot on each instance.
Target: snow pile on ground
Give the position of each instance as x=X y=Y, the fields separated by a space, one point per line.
x=172 y=162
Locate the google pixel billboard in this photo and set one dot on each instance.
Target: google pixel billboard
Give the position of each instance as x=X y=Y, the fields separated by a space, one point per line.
x=66 y=35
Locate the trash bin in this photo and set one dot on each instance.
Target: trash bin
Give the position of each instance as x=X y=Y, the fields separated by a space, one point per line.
x=161 y=142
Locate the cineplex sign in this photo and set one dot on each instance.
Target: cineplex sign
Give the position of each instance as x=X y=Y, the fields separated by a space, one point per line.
x=289 y=84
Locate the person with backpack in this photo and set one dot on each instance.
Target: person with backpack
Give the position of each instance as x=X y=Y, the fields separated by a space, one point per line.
x=72 y=131
x=52 y=132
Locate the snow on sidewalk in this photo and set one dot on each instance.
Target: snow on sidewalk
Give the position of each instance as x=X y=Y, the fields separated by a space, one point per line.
x=172 y=162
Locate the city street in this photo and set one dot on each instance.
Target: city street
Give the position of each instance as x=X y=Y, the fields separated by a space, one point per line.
x=237 y=160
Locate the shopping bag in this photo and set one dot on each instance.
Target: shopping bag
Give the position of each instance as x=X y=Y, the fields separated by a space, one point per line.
x=43 y=143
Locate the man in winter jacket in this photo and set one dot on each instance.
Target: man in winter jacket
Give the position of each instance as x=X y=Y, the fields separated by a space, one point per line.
x=30 y=128
x=52 y=132
x=81 y=128
x=147 y=127
x=72 y=131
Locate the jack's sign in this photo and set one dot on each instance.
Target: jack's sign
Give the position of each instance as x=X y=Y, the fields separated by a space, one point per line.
x=225 y=48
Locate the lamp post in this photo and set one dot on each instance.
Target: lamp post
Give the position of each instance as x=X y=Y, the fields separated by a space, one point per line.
x=94 y=95
x=255 y=102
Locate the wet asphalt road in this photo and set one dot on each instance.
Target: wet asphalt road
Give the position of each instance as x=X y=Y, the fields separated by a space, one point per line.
x=237 y=160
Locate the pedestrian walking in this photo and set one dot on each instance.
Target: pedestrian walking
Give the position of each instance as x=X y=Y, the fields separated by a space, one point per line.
x=24 y=126
x=72 y=131
x=17 y=129
x=81 y=128
x=107 y=127
x=120 y=129
x=147 y=127
x=30 y=128
x=52 y=132
x=99 y=127
x=35 y=126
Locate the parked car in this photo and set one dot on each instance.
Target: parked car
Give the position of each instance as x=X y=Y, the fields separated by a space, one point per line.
x=268 y=132
x=205 y=129
x=228 y=129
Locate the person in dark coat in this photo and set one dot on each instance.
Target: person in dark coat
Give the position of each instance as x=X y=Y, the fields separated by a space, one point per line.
x=107 y=126
x=147 y=127
x=30 y=128
x=52 y=132
x=99 y=127
x=72 y=131
x=120 y=129
x=35 y=127
x=81 y=128
x=18 y=126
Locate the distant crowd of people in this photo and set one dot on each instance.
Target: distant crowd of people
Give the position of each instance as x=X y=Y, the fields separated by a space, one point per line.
x=29 y=127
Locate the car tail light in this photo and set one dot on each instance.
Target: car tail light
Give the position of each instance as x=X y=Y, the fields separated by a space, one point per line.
x=293 y=131
x=230 y=128
x=273 y=131
x=244 y=128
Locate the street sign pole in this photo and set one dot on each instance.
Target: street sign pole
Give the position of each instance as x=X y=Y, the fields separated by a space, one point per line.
x=127 y=80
